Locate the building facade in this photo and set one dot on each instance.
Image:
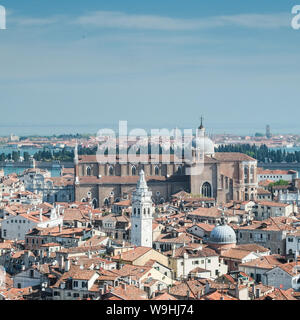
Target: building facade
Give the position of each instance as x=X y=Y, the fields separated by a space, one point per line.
x=224 y=176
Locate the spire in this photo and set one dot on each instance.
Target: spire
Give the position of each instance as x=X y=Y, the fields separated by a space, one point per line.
x=201 y=124
x=142 y=184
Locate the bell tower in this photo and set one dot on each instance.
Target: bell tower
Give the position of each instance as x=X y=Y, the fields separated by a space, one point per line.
x=142 y=214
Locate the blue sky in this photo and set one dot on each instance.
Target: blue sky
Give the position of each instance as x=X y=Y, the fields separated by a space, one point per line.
x=81 y=65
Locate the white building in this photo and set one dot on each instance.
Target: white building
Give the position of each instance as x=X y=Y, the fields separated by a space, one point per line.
x=29 y=278
x=16 y=227
x=276 y=175
x=270 y=209
x=289 y=197
x=141 y=218
x=184 y=260
x=293 y=243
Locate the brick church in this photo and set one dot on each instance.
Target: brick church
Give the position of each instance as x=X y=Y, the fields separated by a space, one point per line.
x=224 y=176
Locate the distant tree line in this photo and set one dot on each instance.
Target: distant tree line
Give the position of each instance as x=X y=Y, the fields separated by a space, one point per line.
x=49 y=155
x=261 y=153
x=59 y=137
x=15 y=156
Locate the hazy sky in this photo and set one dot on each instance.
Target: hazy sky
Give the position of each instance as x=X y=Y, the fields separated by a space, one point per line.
x=88 y=63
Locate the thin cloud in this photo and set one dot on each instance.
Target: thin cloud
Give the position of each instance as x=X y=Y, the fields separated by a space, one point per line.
x=109 y=19
x=121 y=20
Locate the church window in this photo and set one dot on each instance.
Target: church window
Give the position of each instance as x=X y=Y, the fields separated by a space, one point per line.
x=156 y=170
x=206 y=190
x=133 y=170
x=95 y=203
x=179 y=170
x=111 y=171
x=88 y=171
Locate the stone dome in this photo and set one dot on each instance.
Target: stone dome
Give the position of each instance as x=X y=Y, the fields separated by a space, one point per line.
x=222 y=234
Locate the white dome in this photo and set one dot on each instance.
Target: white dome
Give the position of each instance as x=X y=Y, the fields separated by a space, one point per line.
x=204 y=144
x=222 y=234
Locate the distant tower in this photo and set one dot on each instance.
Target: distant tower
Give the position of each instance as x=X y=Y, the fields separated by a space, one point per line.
x=76 y=163
x=268 y=132
x=141 y=217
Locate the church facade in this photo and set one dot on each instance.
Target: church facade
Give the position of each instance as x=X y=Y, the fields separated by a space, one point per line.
x=224 y=176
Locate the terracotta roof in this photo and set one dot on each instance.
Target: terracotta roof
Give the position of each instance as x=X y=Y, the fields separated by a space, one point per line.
x=133 y=254
x=265 y=262
x=129 y=292
x=164 y=296
x=232 y=156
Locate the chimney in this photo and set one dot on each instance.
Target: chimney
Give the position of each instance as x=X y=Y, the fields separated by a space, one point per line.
x=173 y=250
x=188 y=295
x=61 y=262
x=67 y=265
x=207 y=288
x=257 y=293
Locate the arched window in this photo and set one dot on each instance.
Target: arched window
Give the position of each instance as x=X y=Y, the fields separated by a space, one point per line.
x=252 y=196
x=156 y=171
x=252 y=170
x=106 y=202
x=133 y=170
x=246 y=197
x=179 y=170
x=88 y=171
x=206 y=190
x=95 y=203
x=111 y=171
x=149 y=211
x=139 y=211
x=144 y=211
x=134 y=210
